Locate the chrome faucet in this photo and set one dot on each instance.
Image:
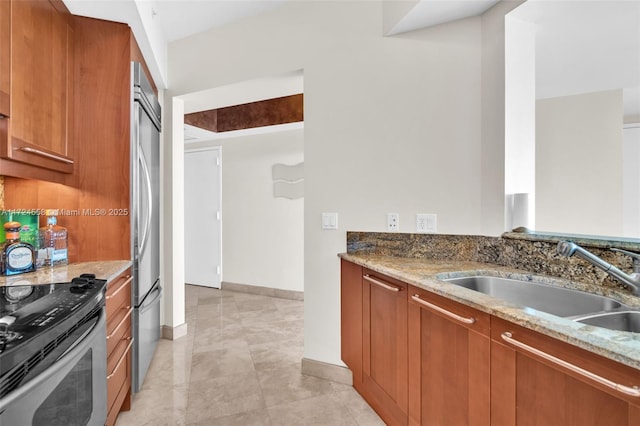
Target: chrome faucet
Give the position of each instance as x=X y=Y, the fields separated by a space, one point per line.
x=569 y=248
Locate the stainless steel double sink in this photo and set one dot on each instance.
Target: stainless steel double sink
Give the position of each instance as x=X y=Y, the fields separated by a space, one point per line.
x=586 y=308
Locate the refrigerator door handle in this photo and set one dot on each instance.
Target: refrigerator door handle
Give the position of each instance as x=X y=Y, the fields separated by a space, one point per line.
x=147 y=222
x=147 y=305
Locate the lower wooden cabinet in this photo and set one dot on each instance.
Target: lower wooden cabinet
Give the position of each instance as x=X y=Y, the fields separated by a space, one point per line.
x=119 y=342
x=351 y=319
x=384 y=351
x=421 y=359
x=537 y=380
x=449 y=356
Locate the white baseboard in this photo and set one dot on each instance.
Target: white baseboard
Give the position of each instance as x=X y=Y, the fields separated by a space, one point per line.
x=326 y=371
x=173 y=333
x=263 y=291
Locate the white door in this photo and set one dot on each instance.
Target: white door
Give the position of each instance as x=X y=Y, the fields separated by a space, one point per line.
x=203 y=217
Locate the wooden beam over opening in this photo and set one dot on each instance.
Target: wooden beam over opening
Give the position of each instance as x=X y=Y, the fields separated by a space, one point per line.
x=287 y=109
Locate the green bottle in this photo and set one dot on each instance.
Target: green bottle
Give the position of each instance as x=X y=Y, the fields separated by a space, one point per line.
x=17 y=257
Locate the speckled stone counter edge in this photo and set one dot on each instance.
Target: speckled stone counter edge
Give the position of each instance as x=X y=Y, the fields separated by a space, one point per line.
x=424 y=260
x=107 y=270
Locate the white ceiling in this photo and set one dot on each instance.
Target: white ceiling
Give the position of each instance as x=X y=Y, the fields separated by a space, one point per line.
x=182 y=18
x=585 y=46
x=176 y=18
x=156 y=23
x=427 y=13
x=581 y=45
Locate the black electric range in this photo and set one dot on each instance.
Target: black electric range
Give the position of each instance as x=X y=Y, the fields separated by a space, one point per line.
x=35 y=321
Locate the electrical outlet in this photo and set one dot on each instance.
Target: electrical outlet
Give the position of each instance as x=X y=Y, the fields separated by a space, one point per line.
x=421 y=223
x=393 y=222
x=426 y=223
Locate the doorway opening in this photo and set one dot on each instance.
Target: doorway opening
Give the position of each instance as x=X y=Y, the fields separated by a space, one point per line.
x=262 y=184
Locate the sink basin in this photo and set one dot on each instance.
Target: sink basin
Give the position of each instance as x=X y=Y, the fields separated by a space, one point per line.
x=621 y=321
x=542 y=297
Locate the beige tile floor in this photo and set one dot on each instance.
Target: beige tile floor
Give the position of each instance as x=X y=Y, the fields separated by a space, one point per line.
x=240 y=365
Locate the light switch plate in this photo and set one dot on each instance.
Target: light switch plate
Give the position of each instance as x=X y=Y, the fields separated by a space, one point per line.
x=329 y=220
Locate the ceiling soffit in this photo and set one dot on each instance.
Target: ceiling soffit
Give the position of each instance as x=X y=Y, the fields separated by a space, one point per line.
x=269 y=112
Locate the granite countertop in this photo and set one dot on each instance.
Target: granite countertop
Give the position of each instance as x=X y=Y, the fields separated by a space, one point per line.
x=427 y=274
x=108 y=270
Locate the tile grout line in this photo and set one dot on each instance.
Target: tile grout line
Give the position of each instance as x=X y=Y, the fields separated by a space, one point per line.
x=192 y=350
x=253 y=362
x=195 y=331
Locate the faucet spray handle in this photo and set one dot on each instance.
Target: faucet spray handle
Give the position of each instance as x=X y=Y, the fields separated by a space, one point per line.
x=566 y=248
x=634 y=256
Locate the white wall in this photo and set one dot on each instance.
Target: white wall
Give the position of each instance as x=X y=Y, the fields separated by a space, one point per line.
x=579 y=164
x=520 y=122
x=172 y=215
x=631 y=180
x=391 y=125
x=493 y=99
x=262 y=236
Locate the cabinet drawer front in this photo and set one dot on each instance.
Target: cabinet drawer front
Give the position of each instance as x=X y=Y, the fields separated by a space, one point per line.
x=587 y=367
x=118 y=328
x=466 y=316
x=119 y=370
x=118 y=295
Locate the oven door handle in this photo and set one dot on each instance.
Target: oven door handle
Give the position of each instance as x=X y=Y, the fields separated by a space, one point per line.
x=71 y=355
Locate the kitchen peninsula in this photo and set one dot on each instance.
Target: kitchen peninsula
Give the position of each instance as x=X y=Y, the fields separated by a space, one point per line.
x=425 y=350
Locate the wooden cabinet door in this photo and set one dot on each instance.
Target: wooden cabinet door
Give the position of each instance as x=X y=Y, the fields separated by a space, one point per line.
x=384 y=370
x=351 y=319
x=40 y=120
x=537 y=380
x=449 y=362
x=5 y=57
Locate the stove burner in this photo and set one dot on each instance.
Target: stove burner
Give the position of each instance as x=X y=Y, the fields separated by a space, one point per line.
x=30 y=313
x=14 y=294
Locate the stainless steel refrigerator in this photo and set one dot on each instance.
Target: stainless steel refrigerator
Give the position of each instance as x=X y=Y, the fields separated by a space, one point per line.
x=145 y=222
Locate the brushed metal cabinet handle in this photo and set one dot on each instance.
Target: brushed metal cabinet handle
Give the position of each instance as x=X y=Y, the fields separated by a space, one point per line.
x=122 y=321
x=111 y=296
x=443 y=311
x=381 y=284
x=627 y=390
x=46 y=154
x=122 y=358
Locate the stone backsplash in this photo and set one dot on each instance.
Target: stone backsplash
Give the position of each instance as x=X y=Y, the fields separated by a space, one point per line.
x=533 y=253
x=433 y=246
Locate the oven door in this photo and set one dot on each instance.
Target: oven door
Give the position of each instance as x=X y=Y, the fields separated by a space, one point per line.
x=71 y=391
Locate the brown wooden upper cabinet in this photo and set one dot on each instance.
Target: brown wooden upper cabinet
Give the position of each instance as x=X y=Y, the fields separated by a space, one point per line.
x=36 y=89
